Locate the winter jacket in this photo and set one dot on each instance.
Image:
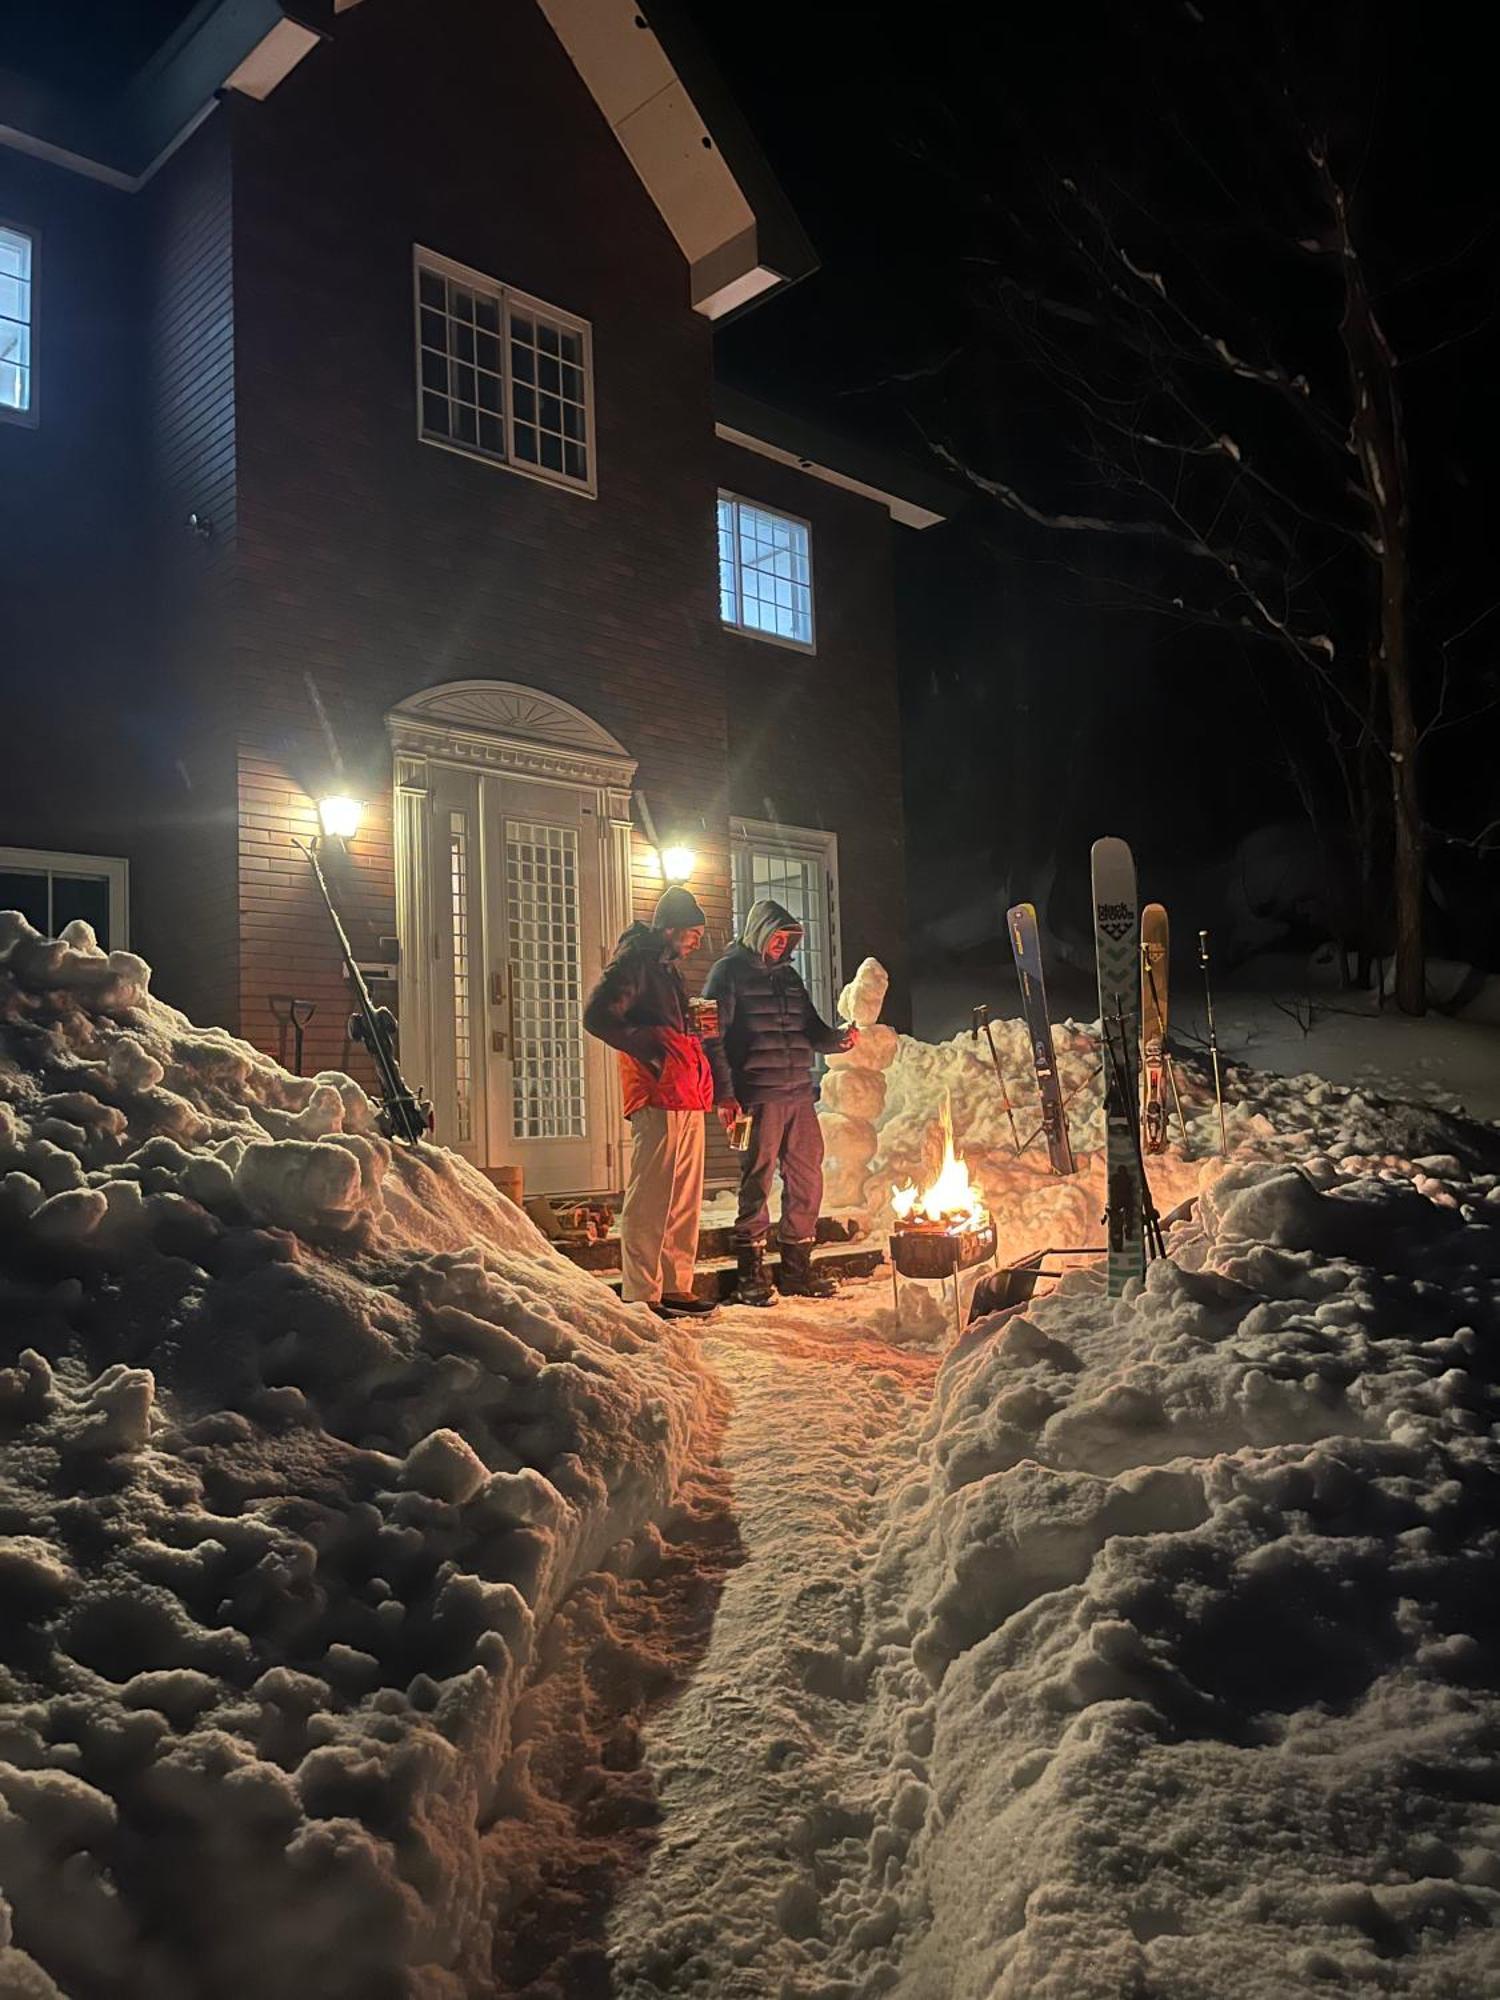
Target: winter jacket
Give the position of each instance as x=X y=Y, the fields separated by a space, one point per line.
x=770 y=1033
x=640 y=1009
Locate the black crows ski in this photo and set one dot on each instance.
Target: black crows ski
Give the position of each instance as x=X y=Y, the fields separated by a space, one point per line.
x=1027 y=946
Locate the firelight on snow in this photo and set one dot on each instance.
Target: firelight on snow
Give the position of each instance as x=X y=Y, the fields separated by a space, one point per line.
x=339 y=817
x=950 y=1198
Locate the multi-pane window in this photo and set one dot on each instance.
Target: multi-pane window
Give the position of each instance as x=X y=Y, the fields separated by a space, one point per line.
x=17 y=322
x=765 y=572
x=502 y=376
x=463 y=996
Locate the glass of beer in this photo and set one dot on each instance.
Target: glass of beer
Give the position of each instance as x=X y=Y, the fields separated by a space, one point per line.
x=704 y=1015
x=740 y=1130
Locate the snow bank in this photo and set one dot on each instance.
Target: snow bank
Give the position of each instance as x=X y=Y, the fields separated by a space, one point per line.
x=1181 y=1645
x=880 y=1106
x=305 y=1436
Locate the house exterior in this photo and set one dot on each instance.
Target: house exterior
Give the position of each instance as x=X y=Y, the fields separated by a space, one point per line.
x=359 y=437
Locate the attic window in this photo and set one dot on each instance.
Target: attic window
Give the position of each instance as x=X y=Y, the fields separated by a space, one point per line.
x=17 y=320
x=765 y=573
x=503 y=377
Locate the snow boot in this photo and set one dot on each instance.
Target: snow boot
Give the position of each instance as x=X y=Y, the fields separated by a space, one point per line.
x=797 y=1279
x=682 y=1305
x=752 y=1286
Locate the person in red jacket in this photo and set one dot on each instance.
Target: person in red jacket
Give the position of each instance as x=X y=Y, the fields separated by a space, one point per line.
x=640 y=1009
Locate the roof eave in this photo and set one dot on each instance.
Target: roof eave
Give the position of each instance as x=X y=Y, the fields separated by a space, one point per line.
x=911 y=496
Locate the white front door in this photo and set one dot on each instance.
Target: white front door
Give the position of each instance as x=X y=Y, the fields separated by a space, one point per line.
x=516 y=883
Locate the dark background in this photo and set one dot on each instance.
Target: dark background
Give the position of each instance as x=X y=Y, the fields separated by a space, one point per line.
x=1042 y=706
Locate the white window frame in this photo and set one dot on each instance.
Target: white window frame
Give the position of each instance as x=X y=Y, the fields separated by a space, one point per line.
x=801 y=843
x=809 y=645
x=30 y=416
x=114 y=867
x=507 y=298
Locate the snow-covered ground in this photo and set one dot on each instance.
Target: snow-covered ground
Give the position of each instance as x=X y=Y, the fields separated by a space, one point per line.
x=386 y=1610
x=303 y=1440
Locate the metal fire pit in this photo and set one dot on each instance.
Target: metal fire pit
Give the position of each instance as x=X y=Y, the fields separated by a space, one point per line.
x=933 y=1252
x=930 y=1252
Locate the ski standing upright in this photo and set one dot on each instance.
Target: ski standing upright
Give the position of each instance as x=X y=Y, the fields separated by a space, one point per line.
x=1026 y=943
x=1154 y=956
x=1117 y=948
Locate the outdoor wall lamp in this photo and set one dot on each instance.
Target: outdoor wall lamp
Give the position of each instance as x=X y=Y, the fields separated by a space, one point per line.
x=677 y=864
x=339 y=817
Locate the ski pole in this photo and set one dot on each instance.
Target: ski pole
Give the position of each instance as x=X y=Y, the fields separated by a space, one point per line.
x=1176 y=1099
x=980 y=1018
x=1213 y=1040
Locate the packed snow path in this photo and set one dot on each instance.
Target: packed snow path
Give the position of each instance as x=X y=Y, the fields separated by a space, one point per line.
x=766 y=1769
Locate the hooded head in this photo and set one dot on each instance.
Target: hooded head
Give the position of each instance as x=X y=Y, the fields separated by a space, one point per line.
x=680 y=920
x=766 y=922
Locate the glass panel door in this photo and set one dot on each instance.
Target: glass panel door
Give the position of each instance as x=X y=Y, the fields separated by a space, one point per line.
x=543 y=933
x=544 y=936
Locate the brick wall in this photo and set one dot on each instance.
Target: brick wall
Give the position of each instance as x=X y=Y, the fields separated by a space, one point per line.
x=373 y=565
x=815 y=739
x=186 y=889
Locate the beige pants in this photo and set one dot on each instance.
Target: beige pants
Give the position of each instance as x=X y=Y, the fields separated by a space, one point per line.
x=663 y=1204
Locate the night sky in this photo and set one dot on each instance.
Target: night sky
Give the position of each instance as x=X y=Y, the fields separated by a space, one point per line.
x=1043 y=706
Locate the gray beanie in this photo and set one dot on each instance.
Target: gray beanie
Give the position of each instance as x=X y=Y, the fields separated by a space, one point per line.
x=677 y=911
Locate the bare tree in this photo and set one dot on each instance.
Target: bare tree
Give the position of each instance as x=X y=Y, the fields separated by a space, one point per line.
x=1214 y=344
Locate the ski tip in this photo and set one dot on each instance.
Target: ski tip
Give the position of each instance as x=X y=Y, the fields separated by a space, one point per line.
x=1109 y=844
x=1019 y=912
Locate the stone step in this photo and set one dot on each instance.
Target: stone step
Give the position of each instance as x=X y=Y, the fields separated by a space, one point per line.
x=712 y=1243
x=714 y=1277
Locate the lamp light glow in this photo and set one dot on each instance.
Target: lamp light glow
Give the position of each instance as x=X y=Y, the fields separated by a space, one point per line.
x=677 y=864
x=339 y=817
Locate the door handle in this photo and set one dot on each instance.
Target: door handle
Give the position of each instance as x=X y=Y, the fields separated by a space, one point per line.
x=497 y=999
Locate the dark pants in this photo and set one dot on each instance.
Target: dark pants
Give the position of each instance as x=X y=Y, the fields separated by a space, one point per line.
x=786 y=1134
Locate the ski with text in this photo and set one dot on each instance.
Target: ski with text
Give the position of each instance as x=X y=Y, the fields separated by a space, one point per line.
x=1118 y=952
x=1025 y=942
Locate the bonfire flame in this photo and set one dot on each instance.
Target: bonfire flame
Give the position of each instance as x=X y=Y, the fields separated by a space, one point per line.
x=950 y=1199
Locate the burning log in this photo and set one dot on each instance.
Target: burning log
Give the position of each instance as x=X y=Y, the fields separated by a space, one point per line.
x=944 y=1228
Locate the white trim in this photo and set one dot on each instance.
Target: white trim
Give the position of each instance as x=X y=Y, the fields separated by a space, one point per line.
x=907 y=512
x=755 y=631
x=503 y=728
x=30 y=417
x=272 y=60
x=114 y=867
x=675 y=157
x=804 y=843
x=96 y=170
x=506 y=297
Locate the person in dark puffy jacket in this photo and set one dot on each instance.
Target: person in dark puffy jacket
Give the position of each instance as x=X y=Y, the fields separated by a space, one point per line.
x=640 y=1009
x=770 y=1036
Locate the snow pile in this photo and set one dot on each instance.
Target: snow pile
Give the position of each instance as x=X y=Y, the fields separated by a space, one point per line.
x=304 y=1439
x=881 y=1102
x=1181 y=1648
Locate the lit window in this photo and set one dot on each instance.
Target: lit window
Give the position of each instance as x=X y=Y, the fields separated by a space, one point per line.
x=503 y=377
x=765 y=572
x=17 y=319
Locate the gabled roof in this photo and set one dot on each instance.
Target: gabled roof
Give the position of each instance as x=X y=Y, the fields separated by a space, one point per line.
x=910 y=494
x=651 y=80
